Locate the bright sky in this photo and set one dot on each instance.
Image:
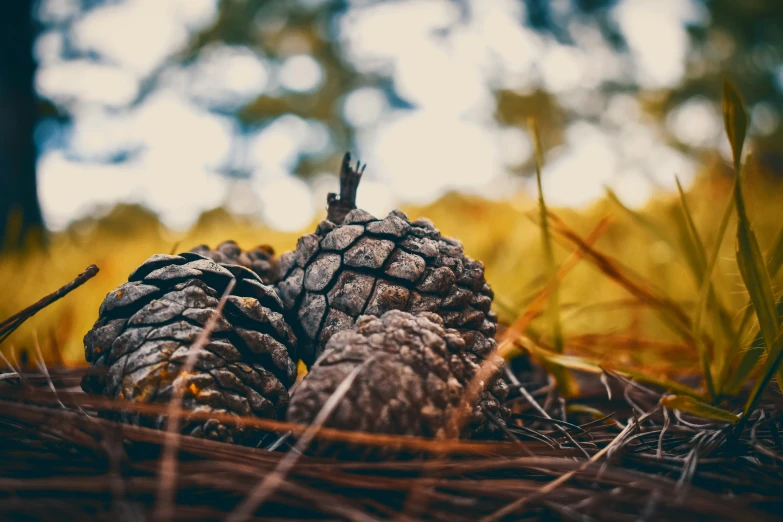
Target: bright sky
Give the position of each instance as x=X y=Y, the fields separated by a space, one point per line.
x=449 y=141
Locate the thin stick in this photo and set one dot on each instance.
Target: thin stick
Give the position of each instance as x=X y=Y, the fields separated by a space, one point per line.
x=408 y=442
x=164 y=509
x=8 y=326
x=272 y=481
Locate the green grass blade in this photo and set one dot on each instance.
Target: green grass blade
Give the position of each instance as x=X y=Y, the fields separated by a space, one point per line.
x=754 y=272
x=643 y=221
x=564 y=379
x=735 y=121
x=749 y=258
x=748 y=361
x=694 y=245
x=685 y=247
x=659 y=231
x=585 y=364
x=775 y=255
x=771 y=367
x=695 y=249
x=751 y=263
x=546 y=242
x=706 y=291
x=699 y=408
x=573 y=408
x=749 y=358
x=670 y=312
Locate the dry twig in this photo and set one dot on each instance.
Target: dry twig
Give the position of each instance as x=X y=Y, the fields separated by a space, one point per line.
x=8 y=326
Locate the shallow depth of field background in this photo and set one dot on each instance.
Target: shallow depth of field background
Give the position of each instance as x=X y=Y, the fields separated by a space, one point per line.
x=163 y=124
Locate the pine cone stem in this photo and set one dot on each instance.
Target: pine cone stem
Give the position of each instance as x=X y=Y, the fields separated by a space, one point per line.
x=349 y=184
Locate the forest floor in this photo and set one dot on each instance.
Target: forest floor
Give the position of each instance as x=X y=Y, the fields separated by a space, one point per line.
x=638 y=460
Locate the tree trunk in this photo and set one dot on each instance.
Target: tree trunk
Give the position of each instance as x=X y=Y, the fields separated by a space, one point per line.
x=20 y=213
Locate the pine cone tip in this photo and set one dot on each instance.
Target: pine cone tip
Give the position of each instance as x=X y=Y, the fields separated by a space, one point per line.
x=350 y=177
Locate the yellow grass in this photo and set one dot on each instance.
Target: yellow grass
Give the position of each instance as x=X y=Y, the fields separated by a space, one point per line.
x=600 y=318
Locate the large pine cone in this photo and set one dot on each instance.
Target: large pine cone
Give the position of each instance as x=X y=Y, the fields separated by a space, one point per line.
x=415 y=376
x=355 y=264
x=260 y=260
x=370 y=266
x=146 y=328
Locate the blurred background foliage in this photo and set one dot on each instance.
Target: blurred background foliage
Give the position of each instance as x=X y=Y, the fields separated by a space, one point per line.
x=131 y=127
x=246 y=103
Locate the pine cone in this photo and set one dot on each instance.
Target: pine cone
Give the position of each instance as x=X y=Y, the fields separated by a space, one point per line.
x=415 y=377
x=260 y=260
x=355 y=264
x=146 y=327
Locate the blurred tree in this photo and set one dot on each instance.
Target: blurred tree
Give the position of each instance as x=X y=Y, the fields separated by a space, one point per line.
x=274 y=32
x=20 y=213
x=739 y=40
x=743 y=40
x=280 y=31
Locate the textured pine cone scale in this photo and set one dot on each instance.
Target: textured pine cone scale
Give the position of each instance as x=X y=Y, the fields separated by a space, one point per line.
x=415 y=374
x=260 y=260
x=147 y=326
x=370 y=266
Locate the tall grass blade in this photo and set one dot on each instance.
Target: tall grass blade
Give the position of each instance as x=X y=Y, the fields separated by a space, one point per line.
x=749 y=258
x=748 y=358
x=586 y=364
x=754 y=271
x=695 y=251
x=699 y=408
x=694 y=244
x=692 y=247
x=684 y=245
x=748 y=365
x=507 y=347
x=553 y=307
x=704 y=298
x=546 y=242
x=771 y=367
x=522 y=322
x=745 y=362
x=775 y=255
x=669 y=311
x=643 y=221
x=662 y=233
x=735 y=121
x=751 y=263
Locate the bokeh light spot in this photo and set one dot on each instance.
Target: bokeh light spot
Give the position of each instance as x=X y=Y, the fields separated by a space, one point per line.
x=301 y=73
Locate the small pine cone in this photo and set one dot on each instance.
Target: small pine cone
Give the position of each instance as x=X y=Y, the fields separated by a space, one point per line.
x=146 y=328
x=260 y=260
x=416 y=375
